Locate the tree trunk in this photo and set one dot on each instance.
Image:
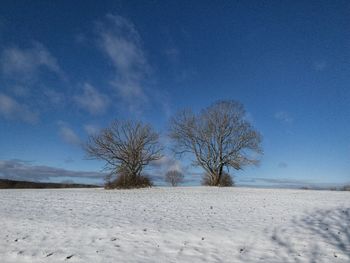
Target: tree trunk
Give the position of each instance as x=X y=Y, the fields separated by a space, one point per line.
x=220 y=172
x=218 y=176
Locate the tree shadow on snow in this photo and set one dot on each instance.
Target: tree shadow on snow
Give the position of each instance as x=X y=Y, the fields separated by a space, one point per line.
x=319 y=236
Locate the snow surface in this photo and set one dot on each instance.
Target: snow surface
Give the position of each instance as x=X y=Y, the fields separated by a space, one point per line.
x=190 y=224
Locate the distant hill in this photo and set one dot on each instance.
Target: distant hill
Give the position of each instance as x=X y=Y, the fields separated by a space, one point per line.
x=11 y=184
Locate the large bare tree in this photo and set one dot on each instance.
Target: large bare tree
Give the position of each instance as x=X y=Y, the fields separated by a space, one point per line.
x=220 y=137
x=126 y=147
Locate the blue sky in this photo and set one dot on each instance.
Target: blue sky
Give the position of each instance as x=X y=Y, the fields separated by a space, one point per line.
x=68 y=68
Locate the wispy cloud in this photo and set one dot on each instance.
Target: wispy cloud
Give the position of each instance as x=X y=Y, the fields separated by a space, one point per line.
x=91 y=129
x=284 y=117
x=25 y=63
x=121 y=42
x=12 y=110
x=166 y=163
x=92 y=100
x=22 y=170
x=286 y=182
x=67 y=134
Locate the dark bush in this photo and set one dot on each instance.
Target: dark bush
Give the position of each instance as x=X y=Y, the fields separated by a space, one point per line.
x=225 y=181
x=346 y=188
x=127 y=182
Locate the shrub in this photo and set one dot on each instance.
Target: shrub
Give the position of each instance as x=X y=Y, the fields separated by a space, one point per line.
x=225 y=181
x=126 y=181
x=346 y=188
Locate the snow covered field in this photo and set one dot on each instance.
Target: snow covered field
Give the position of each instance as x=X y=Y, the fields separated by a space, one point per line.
x=196 y=224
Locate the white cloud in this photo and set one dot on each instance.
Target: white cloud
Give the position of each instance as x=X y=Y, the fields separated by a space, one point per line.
x=121 y=42
x=166 y=164
x=24 y=64
x=288 y=182
x=92 y=100
x=12 y=110
x=91 y=129
x=67 y=134
x=283 y=117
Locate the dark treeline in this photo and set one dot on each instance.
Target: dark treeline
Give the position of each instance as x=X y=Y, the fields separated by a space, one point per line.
x=12 y=184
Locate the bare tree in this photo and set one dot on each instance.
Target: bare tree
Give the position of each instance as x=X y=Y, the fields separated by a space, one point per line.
x=220 y=137
x=126 y=147
x=174 y=177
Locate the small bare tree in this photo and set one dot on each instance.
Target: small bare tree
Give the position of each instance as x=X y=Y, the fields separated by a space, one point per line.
x=126 y=147
x=174 y=177
x=220 y=137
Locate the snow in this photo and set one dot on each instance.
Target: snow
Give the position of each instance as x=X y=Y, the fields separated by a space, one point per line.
x=189 y=224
